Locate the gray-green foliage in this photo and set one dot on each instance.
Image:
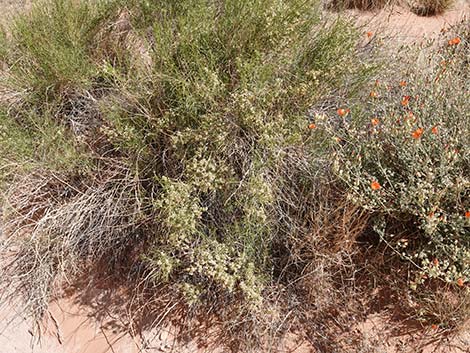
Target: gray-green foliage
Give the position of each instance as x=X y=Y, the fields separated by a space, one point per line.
x=412 y=138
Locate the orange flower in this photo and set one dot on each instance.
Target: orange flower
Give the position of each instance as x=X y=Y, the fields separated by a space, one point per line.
x=403 y=83
x=375 y=121
x=454 y=41
x=369 y=34
x=343 y=112
x=460 y=282
x=410 y=116
x=417 y=133
x=375 y=185
x=435 y=262
x=373 y=94
x=467 y=214
x=405 y=100
x=312 y=126
x=434 y=326
x=434 y=130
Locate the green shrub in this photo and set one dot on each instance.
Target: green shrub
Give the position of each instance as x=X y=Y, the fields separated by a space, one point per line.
x=50 y=48
x=404 y=156
x=37 y=142
x=227 y=108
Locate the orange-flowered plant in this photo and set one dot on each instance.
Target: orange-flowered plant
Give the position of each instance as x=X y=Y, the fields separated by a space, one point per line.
x=374 y=185
x=405 y=100
x=417 y=133
x=343 y=112
x=312 y=126
x=407 y=140
x=454 y=41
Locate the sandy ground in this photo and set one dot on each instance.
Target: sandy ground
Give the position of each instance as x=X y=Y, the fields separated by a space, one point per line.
x=75 y=333
x=74 y=329
x=9 y=7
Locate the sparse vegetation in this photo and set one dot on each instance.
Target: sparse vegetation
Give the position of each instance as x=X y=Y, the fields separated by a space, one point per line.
x=231 y=159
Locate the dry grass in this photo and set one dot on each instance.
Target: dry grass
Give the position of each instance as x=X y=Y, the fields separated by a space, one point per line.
x=419 y=7
x=430 y=7
x=359 y=4
x=57 y=226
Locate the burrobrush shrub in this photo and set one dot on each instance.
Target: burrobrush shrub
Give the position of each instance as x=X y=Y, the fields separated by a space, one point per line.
x=226 y=110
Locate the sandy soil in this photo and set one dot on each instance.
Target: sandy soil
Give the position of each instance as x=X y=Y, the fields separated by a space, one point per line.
x=73 y=328
x=9 y=7
x=75 y=332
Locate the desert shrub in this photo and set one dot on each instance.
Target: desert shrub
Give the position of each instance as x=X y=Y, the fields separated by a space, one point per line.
x=202 y=149
x=430 y=7
x=192 y=120
x=403 y=154
x=227 y=109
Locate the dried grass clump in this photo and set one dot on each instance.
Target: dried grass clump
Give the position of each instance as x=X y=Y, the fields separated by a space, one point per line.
x=430 y=7
x=358 y=4
x=320 y=273
x=419 y=7
x=55 y=227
